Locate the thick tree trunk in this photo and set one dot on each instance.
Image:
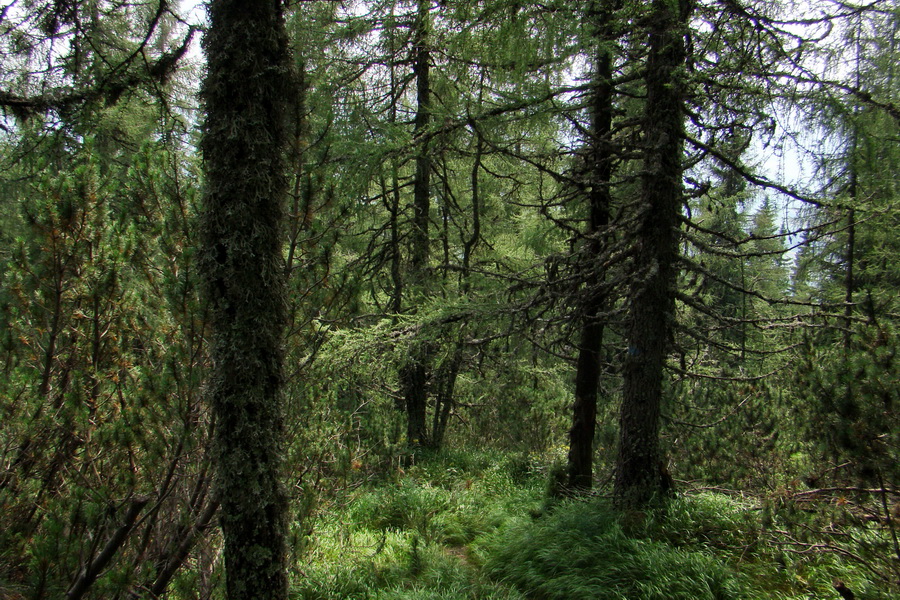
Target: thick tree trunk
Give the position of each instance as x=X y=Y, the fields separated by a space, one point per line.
x=588 y=369
x=580 y=473
x=246 y=92
x=640 y=475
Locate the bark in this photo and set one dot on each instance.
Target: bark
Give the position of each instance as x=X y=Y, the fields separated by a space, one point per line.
x=470 y=243
x=588 y=369
x=396 y=271
x=414 y=374
x=445 y=384
x=580 y=474
x=640 y=476
x=849 y=259
x=393 y=198
x=246 y=93
x=414 y=379
x=422 y=180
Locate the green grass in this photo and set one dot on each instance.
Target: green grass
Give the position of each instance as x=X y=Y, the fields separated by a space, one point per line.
x=472 y=526
x=406 y=538
x=584 y=551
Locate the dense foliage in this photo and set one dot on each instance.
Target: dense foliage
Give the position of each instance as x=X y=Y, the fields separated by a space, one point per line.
x=588 y=299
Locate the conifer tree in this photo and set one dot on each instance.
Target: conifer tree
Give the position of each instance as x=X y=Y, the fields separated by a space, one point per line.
x=848 y=270
x=640 y=474
x=246 y=96
x=413 y=374
x=600 y=156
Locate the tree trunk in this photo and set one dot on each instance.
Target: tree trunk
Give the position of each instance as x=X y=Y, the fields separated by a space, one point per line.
x=599 y=168
x=413 y=381
x=246 y=92
x=445 y=385
x=414 y=374
x=640 y=475
x=422 y=180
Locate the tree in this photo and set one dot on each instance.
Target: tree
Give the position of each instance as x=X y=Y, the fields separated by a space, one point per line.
x=108 y=424
x=467 y=127
x=246 y=94
x=600 y=156
x=414 y=374
x=103 y=61
x=848 y=269
x=640 y=474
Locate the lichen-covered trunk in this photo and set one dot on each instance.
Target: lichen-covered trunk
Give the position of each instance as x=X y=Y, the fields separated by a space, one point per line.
x=640 y=475
x=246 y=94
x=588 y=367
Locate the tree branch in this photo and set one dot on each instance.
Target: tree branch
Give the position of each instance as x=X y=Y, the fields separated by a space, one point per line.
x=90 y=572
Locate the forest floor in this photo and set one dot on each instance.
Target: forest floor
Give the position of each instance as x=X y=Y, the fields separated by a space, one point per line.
x=474 y=526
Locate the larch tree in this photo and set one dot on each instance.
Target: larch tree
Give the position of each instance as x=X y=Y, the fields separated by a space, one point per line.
x=601 y=154
x=650 y=325
x=246 y=94
x=413 y=375
x=849 y=380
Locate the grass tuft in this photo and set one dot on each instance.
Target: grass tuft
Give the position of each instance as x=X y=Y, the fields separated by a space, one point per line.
x=582 y=550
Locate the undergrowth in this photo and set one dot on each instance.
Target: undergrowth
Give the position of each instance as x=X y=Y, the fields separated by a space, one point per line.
x=472 y=527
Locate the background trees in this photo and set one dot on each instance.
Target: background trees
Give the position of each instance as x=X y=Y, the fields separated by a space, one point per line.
x=504 y=223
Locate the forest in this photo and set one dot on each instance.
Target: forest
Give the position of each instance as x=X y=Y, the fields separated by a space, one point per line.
x=449 y=299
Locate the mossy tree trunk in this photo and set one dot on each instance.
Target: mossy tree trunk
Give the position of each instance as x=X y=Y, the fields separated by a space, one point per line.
x=246 y=93
x=640 y=475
